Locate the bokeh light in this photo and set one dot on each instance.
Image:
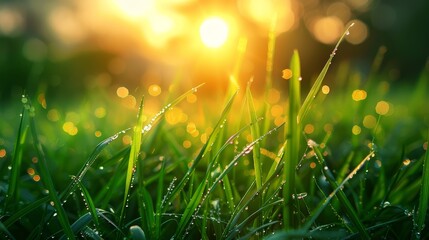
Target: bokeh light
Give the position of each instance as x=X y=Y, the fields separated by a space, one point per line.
x=369 y=121
x=2 y=153
x=328 y=29
x=356 y=130
x=382 y=108
x=326 y=89
x=360 y=33
x=11 y=20
x=359 y=95
x=122 y=92
x=154 y=90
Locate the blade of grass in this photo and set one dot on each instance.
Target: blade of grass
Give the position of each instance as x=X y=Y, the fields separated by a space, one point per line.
x=340 y=194
x=191 y=207
x=146 y=210
x=12 y=191
x=237 y=228
x=134 y=152
x=5 y=231
x=292 y=140
x=424 y=197
x=257 y=229
x=159 y=194
x=46 y=176
x=318 y=83
x=89 y=162
x=89 y=204
x=315 y=214
x=24 y=211
x=255 y=132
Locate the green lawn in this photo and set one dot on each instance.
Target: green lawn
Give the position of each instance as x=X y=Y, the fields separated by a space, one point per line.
x=342 y=160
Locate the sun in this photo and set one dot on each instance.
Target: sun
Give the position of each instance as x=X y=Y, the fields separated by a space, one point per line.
x=214 y=32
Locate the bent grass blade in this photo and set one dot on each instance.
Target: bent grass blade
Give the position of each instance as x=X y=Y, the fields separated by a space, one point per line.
x=306 y=105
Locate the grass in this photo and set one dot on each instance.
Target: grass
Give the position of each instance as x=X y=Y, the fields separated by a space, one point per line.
x=347 y=162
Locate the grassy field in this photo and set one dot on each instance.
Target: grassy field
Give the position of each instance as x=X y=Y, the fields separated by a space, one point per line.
x=342 y=160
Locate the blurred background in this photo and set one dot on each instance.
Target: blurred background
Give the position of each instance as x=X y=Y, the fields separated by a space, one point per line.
x=62 y=47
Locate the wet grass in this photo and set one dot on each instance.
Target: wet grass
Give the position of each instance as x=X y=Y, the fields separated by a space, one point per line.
x=348 y=162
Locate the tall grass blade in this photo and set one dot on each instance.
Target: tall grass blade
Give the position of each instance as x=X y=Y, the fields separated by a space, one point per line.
x=159 y=196
x=12 y=191
x=292 y=139
x=424 y=197
x=254 y=129
x=46 y=176
x=134 y=152
x=306 y=105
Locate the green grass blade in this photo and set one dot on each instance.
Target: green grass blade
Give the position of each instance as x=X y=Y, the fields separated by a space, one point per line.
x=4 y=229
x=134 y=152
x=340 y=194
x=80 y=223
x=89 y=204
x=159 y=196
x=24 y=211
x=306 y=105
x=46 y=176
x=239 y=227
x=12 y=191
x=246 y=150
x=258 y=229
x=315 y=214
x=89 y=162
x=254 y=129
x=424 y=197
x=146 y=210
x=190 y=209
x=292 y=140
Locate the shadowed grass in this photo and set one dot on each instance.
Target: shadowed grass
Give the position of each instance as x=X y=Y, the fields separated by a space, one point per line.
x=424 y=198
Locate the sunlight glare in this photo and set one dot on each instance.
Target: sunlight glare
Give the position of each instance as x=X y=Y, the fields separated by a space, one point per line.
x=214 y=32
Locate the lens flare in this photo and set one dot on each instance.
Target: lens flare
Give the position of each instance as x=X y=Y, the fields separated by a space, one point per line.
x=214 y=32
